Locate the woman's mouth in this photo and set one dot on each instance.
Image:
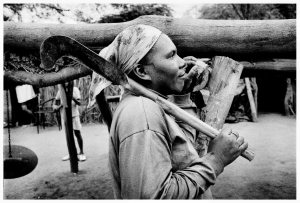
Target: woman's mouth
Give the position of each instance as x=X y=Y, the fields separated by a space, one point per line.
x=182 y=75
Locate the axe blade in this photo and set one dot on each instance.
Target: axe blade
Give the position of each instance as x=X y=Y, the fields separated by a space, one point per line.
x=55 y=47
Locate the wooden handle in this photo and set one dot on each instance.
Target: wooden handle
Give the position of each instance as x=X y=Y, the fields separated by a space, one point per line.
x=180 y=114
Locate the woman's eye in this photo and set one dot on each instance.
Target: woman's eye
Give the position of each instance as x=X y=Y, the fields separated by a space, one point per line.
x=173 y=54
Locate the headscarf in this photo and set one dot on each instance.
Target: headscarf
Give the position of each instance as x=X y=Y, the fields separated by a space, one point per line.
x=127 y=49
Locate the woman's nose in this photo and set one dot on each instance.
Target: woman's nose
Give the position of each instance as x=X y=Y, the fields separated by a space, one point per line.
x=182 y=63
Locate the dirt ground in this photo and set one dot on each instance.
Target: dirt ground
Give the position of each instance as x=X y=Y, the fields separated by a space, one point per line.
x=271 y=175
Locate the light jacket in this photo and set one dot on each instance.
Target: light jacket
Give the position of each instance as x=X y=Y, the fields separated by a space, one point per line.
x=152 y=157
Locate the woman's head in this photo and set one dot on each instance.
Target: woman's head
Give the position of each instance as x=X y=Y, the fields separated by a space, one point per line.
x=130 y=46
x=161 y=69
x=147 y=56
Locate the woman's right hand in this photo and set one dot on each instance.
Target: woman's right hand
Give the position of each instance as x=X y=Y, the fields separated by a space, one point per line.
x=227 y=146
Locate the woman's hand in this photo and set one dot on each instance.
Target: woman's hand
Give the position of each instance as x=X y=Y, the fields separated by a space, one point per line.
x=228 y=146
x=195 y=68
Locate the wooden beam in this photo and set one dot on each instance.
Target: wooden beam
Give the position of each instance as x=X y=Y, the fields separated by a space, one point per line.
x=286 y=65
x=222 y=85
x=204 y=38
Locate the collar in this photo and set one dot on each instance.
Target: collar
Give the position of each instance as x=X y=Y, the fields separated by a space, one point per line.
x=159 y=94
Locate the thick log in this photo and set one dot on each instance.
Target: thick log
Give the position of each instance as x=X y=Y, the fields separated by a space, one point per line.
x=222 y=85
x=205 y=38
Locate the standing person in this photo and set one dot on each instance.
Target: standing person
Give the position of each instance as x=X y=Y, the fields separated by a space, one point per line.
x=151 y=155
x=27 y=98
x=76 y=101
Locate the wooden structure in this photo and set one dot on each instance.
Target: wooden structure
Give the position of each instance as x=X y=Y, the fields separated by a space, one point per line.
x=259 y=44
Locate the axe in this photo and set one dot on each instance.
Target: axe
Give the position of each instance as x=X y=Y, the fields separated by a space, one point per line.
x=56 y=47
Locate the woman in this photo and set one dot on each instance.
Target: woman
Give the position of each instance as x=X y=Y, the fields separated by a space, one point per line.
x=150 y=154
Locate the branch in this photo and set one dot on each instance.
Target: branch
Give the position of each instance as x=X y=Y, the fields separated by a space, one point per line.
x=58 y=10
x=237 y=12
x=13 y=78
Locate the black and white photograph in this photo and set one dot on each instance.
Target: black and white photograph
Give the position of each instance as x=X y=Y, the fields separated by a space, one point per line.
x=149 y=100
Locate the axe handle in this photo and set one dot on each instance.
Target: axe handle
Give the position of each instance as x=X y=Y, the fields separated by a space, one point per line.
x=180 y=114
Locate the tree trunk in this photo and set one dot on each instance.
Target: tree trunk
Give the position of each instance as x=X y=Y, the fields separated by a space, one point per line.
x=204 y=38
x=222 y=86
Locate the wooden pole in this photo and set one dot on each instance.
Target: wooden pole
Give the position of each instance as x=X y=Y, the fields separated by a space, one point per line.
x=222 y=84
x=104 y=109
x=66 y=97
x=255 y=91
x=251 y=100
x=285 y=65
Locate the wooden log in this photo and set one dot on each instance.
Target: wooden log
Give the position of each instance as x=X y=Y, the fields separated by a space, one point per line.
x=197 y=37
x=251 y=100
x=222 y=85
x=286 y=65
x=66 y=97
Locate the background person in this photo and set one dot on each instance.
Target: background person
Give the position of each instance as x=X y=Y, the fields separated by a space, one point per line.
x=27 y=98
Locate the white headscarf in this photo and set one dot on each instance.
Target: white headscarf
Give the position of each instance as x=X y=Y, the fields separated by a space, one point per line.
x=127 y=49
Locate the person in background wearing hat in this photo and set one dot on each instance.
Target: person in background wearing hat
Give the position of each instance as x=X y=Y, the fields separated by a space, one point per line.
x=75 y=119
x=151 y=156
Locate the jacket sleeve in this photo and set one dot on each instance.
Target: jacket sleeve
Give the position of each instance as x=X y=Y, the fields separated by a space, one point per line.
x=146 y=170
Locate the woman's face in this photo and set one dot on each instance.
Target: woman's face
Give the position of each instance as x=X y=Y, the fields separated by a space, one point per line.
x=167 y=68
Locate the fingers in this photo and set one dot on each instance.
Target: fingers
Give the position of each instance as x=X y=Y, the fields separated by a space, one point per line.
x=240 y=140
x=192 y=73
x=190 y=58
x=226 y=131
x=236 y=134
x=243 y=147
x=205 y=59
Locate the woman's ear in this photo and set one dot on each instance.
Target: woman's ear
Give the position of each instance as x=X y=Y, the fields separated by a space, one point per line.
x=141 y=72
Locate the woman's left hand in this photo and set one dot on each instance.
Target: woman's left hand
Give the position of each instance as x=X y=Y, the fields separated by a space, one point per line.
x=195 y=68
